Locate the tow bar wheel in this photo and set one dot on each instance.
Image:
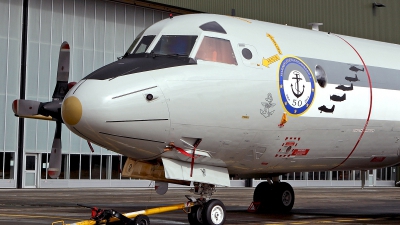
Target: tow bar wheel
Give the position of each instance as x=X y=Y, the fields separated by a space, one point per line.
x=214 y=212
x=141 y=220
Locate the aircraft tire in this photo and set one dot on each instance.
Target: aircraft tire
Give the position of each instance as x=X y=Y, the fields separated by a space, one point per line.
x=141 y=220
x=284 y=197
x=214 y=212
x=195 y=215
x=264 y=195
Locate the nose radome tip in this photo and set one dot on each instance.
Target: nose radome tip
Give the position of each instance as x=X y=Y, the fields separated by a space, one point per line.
x=71 y=110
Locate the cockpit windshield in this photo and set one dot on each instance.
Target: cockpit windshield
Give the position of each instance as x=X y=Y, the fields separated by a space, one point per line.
x=180 y=45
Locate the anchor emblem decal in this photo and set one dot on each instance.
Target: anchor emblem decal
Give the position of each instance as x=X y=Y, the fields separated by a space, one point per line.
x=298 y=93
x=296 y=85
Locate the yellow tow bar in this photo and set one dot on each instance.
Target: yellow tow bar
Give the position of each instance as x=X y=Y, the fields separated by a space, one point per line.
x=146 y=212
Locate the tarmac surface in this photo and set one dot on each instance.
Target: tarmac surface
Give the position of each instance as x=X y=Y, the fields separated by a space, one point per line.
x=312 y=205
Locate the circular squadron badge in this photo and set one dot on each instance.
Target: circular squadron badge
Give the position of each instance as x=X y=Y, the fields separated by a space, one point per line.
x=296 y=85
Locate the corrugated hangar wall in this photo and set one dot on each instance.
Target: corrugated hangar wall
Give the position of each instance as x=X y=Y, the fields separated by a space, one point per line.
x=98 y=31
x=354 y=18
x=10 y=63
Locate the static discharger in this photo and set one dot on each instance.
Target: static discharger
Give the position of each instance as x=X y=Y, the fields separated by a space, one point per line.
x=284 y=119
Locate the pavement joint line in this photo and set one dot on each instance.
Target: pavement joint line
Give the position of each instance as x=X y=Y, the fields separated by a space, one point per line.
x=365 y=219
x=345 y=220
x=33 y=216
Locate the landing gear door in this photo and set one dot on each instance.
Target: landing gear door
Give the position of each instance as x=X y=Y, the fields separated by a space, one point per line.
x=249 y=56
x=180 y=170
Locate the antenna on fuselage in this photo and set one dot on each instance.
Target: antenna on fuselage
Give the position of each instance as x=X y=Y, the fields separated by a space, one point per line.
x=315 y=26
x=233 y=12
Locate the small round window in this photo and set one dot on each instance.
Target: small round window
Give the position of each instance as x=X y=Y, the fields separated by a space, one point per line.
x=247 y=53
x=321 y=76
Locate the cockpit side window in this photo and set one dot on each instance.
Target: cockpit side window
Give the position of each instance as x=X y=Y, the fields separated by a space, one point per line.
x=143 y=44
x=180 y=45
x=216 y=50
x=129 y=51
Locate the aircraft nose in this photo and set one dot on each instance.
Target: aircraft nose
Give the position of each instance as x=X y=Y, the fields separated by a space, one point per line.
x=71 y=110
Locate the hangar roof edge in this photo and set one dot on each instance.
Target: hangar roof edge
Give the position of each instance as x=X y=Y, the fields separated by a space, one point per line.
x=159 y=6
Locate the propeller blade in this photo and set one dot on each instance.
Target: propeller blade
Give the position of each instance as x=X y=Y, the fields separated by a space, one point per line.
x=22 y=107
x=50 y=110
x=53 y=106
x=62 y=72
x=55 y=155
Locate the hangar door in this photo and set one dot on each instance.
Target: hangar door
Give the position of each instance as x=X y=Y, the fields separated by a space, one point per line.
x=98 y=32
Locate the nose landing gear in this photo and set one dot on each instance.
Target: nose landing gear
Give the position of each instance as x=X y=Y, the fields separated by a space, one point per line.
x=207 y=211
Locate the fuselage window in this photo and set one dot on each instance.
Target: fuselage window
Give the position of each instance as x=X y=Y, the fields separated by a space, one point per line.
x=216 y=50
x=321 y=76
x=247 y=53
x=180 y=45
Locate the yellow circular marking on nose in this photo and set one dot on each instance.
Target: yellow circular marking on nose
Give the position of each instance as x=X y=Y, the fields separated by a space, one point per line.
x=71 y=110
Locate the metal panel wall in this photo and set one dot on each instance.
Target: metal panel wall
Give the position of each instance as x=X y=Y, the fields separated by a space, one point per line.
x=10 y=61
x=98 y=32
x=10 y=64
x=353 y=18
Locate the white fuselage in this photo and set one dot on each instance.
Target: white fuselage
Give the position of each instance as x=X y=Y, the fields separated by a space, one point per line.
x=236 y=109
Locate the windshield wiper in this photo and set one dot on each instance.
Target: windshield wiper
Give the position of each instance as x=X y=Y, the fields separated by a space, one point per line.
x=178 y=55
x=121 y=57
x=153 y=55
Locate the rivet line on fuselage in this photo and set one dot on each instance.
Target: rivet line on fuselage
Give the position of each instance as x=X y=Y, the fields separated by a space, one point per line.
x=127 y=121
x=140 y=139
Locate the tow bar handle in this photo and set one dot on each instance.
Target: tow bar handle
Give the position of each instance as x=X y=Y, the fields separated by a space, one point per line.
x=99 y=215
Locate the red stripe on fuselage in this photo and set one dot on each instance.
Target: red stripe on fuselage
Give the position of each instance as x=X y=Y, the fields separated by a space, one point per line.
x=370 y=103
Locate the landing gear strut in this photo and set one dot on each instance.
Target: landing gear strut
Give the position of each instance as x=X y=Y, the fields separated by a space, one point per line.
x=207 y=211
x=274 y=196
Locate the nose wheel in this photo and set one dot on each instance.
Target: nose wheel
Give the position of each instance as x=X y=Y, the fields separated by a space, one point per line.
x=212 y=212
x=195 y=215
